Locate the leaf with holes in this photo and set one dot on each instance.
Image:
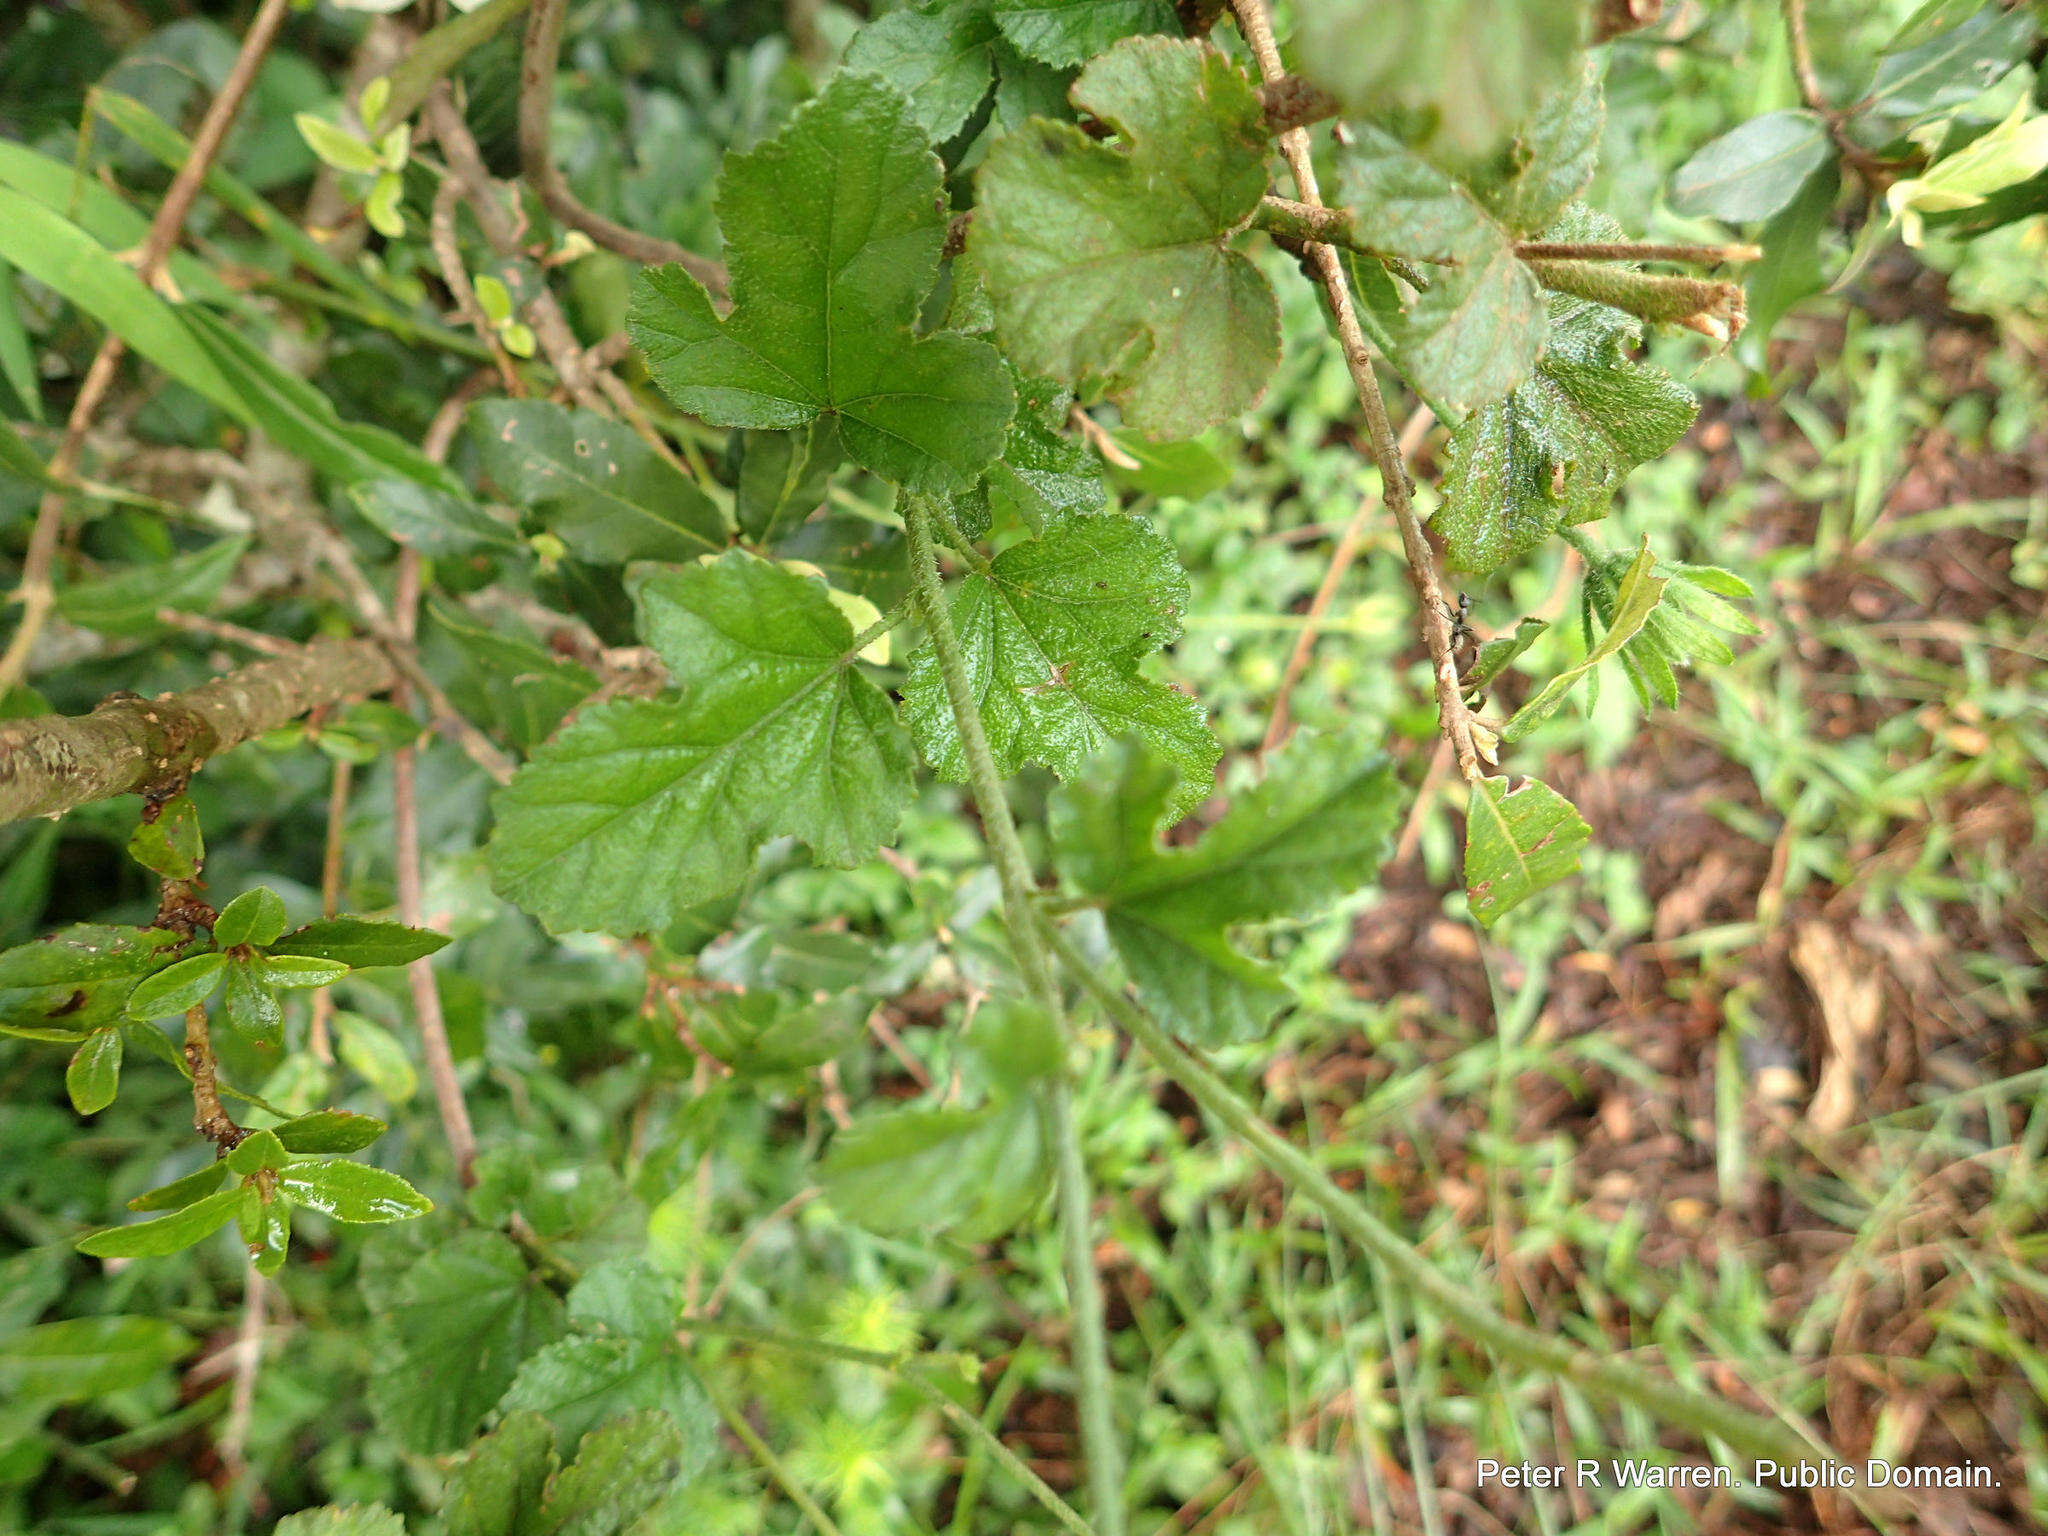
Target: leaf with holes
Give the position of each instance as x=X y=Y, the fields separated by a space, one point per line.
x=593 y=483
x=1109 y=265
x=640 y=808
x=1556 y=450
x=1475 y=332
x=1517 y=842
x=833 y=230
x=1312 y=831
x=1054 y=631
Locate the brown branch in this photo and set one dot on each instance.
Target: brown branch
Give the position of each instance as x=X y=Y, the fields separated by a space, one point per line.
x=536 y=156
x=36 y=591
x=455 y=277
x=1340 y=562
x=1291 y=103
x=317 y=1040
x=426 y=997
x=209 y=1119
x=248 y=1350
x=1454 y=719
x=52 y=763
x=1862 y=161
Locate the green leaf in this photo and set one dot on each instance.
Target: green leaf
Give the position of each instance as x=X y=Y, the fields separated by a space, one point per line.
x=167 y=1234
x=639 y=809
x=622 y=1469
x=1495 y=654
x=579 y=1383
x=832 y=233
x=1470 y=69
x=87 y=1357
x=1949 y=69
x=1551 y=158
x=783 y=476
x=760 y=1032
x=337 y=146
x=353 y=1192
x=1053 y=636
x=498 y=1487
x=171 y=845
x=1476 y=331
x=375 y=1055
x=1683 y=629
x=974 y=1172
x=452 y=1336
x=1071 y=31
x=250 y=1007
x=255 y=1152
x=1312 y=831
x=18 y=368
x=1109 y=265
x=1754 y=170
x=1637 y=594
x=63 y=987
x=94 y=1074
x=1517 y=843
x=625 y=1296
x=255 y=917
x=57 y=253
x=430 y=521
x=1791 y=267
x=292 y=972
x=359 y=943
x=269 y=1235
x=180 y=1193
x=177 y=987
x=937 y=56
x=520 y=688
x=594 y=483
x=342 y=1520
x=1557 y=449
x=856 y=556
x=1042 y=472
x=126 y=603
x=330 y=1130
x=304 y=422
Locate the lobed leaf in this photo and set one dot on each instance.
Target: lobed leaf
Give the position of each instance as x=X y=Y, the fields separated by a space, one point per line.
x=832 y=231
x=1517 y=842
x=639 y=809
x=1109 y=265
x=1053 y=633
x=937 y=56
x=1312 y=831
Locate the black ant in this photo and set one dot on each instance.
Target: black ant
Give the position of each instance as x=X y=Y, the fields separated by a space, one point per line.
x=1464 y=641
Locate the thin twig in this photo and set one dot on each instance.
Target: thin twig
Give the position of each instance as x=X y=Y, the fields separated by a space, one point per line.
x=1867 y=165
x=772 y=1464
x=426 y=996
x=455 y=277
x=1346 y=552
x=209 y=1119
x=234 y=1439
x=230 y=634
x=36 y=591
x=746 y=1245
x=317 y=1040
x=536 y=156
x=1454 y=719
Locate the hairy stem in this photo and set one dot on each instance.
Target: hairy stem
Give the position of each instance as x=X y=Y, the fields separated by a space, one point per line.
x=1013 y=872
x=52 y=763
x=791 y=1486
x=1612 y=1377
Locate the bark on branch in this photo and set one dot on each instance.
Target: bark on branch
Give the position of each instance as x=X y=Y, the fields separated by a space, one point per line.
x=52 y=763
